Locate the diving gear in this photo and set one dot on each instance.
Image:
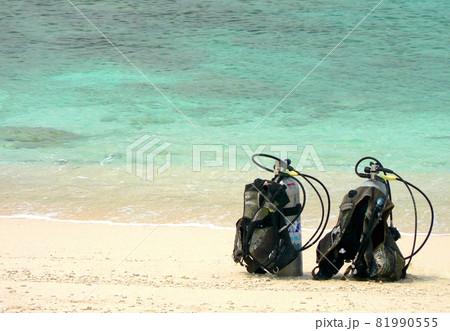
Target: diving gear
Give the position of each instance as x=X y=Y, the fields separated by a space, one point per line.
x=362 y=235
x=268 y=236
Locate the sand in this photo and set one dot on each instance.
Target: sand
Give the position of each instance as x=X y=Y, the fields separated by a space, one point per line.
x=70 y=267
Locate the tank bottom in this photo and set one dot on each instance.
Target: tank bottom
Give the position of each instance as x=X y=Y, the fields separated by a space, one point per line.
x=293 y=269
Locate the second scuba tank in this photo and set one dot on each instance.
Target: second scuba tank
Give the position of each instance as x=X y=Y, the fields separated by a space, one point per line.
x=362 y=235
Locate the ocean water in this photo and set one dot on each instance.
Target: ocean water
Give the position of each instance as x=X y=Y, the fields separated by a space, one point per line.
x=212 y=74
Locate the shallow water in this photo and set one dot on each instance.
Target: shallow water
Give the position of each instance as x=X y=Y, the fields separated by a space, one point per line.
x=180 y=196
x=69 y=98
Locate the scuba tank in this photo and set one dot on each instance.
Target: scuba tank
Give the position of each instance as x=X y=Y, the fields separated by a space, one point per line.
x=362 y=235
x=292 y=214
x=268 y=236
x=294 y=229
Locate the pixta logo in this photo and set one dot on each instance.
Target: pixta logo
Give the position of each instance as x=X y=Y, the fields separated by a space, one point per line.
x=141 y=157
x=204 y=156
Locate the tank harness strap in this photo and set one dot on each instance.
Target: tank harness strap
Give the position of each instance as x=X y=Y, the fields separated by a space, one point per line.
x=291 y=211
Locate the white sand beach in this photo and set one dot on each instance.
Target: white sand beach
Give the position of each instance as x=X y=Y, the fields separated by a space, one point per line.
x=68 y=267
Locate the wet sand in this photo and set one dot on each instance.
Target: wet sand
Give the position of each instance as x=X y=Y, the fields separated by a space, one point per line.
x=179 y=195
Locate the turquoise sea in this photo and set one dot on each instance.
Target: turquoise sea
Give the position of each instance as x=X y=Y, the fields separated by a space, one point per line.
x=208 y=72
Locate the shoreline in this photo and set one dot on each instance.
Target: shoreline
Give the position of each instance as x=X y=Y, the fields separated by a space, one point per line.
x=72 y=267
x=170 y=225
x=214 y=196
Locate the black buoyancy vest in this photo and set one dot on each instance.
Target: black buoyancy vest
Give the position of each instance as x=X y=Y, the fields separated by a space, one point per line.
x=259 y=245
x=362 y=237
